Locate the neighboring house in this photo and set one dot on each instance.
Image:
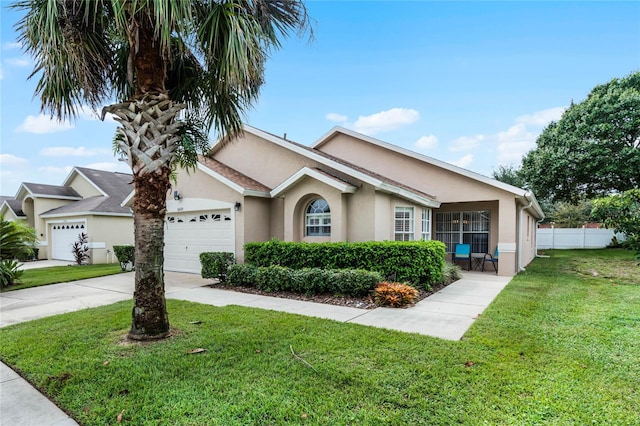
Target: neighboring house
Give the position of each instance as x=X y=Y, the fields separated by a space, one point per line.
x=346 y=187
x=11 y=209
x=88 y=201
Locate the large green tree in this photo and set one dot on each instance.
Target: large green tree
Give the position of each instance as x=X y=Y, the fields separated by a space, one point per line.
x=622 y=213
x=158 y=63
x=593 y=149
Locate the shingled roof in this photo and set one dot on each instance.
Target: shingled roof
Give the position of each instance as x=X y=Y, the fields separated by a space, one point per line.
x=233 y=175
x=114 y=186
x=13 y=204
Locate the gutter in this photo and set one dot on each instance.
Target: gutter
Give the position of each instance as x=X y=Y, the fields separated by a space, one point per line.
x=528 y=196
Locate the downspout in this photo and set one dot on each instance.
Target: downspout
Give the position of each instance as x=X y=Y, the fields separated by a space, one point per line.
x=520 y=210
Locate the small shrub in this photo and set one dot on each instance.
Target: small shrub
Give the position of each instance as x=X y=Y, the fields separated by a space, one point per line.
x=216 y=264
x=450 y=273
x=10 y=273
x=125 y=255
x=275 y=278
x=80 y=249
x=354 y=282
x=395 y=295
x=242 y=275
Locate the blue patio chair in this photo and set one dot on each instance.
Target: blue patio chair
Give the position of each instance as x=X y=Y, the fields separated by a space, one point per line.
x=463 y=252
x=491 y=258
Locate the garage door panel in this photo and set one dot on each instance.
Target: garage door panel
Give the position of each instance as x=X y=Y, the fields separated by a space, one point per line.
x=188 y=234
x=63 y=235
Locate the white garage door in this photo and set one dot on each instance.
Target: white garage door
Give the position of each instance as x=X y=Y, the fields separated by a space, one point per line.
x=63 y=235
x=187 y=234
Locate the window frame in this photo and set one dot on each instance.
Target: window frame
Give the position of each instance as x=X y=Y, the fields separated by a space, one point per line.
x=426 y=224
x=407 y=224
x=320 y=220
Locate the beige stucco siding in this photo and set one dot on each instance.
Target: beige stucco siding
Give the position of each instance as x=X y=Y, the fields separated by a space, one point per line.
x=104 y=232
x=296 y=200
x=361 y=214
x=445 y=185
x=33 y=208
x=83 y=187
x=262 y=160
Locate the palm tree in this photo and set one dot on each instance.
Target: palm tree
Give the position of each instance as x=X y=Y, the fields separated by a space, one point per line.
x=167 y=64
x=17 y=240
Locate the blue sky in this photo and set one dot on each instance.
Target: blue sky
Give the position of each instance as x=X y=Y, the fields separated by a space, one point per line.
x=470 y=83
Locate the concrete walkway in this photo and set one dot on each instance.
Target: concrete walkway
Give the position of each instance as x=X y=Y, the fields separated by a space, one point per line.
x=447 y=314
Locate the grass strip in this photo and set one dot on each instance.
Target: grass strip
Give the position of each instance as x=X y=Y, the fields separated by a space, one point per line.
x=62 y=274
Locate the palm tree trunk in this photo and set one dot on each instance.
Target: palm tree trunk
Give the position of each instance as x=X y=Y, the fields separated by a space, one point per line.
x=148 y=138
x=149 y=316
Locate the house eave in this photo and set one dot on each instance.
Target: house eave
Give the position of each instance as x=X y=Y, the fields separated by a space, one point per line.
x=343 y=187
x=426 y=159
x=408 y=195
x=84 y=213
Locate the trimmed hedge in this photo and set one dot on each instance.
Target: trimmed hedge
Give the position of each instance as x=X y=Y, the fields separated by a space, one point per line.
x=216 y=264
x=309 y=280
x=416 y=262
x=125 y=254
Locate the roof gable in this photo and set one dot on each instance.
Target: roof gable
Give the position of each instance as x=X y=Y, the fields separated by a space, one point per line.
x=526 y=196
x=41 y=190
x=424 y=158
x=379 y=182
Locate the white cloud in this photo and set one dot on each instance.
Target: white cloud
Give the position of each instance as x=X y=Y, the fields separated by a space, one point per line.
x=12 y=160
x=466 y=143
x=1 y=73
x=18 y=62
x=56 y=170
x=43 y=124
x=427 y=142
x=541 y=118
x=332 y=116
x=463 y=162
x=113 y=166
x=11 y=45
x=385 y=120
x=514 y=143
x=68 y=151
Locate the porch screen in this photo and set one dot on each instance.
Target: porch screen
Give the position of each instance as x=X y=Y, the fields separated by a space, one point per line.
x=464 y=227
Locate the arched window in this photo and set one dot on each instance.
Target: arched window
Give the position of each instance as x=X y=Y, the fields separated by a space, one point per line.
x=318 y=219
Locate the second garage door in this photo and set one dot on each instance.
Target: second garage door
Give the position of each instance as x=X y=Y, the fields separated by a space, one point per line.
x=187 y=234
x=63 y=235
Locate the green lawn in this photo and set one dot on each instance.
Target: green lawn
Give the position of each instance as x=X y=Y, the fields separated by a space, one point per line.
x=560 y=345
x=62 y=274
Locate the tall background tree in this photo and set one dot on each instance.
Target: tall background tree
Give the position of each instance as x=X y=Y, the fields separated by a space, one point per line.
x=163 y=66
x=593 y=150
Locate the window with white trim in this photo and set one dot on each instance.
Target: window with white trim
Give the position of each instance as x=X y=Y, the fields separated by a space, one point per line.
x=403 y=224
x=464 y=227
x=426 y=224
x=318 y=219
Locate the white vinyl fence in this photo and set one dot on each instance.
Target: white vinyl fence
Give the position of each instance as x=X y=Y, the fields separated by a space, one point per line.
x=575 y=238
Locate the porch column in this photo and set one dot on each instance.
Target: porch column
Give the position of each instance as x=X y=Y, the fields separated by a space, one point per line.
x=507 y=237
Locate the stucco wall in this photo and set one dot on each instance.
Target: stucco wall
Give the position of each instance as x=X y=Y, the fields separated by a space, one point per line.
x=296 y=200
x=104 y=233
x=40 y=206
x=445 y=185
x=83 y=187
x=264 y=161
